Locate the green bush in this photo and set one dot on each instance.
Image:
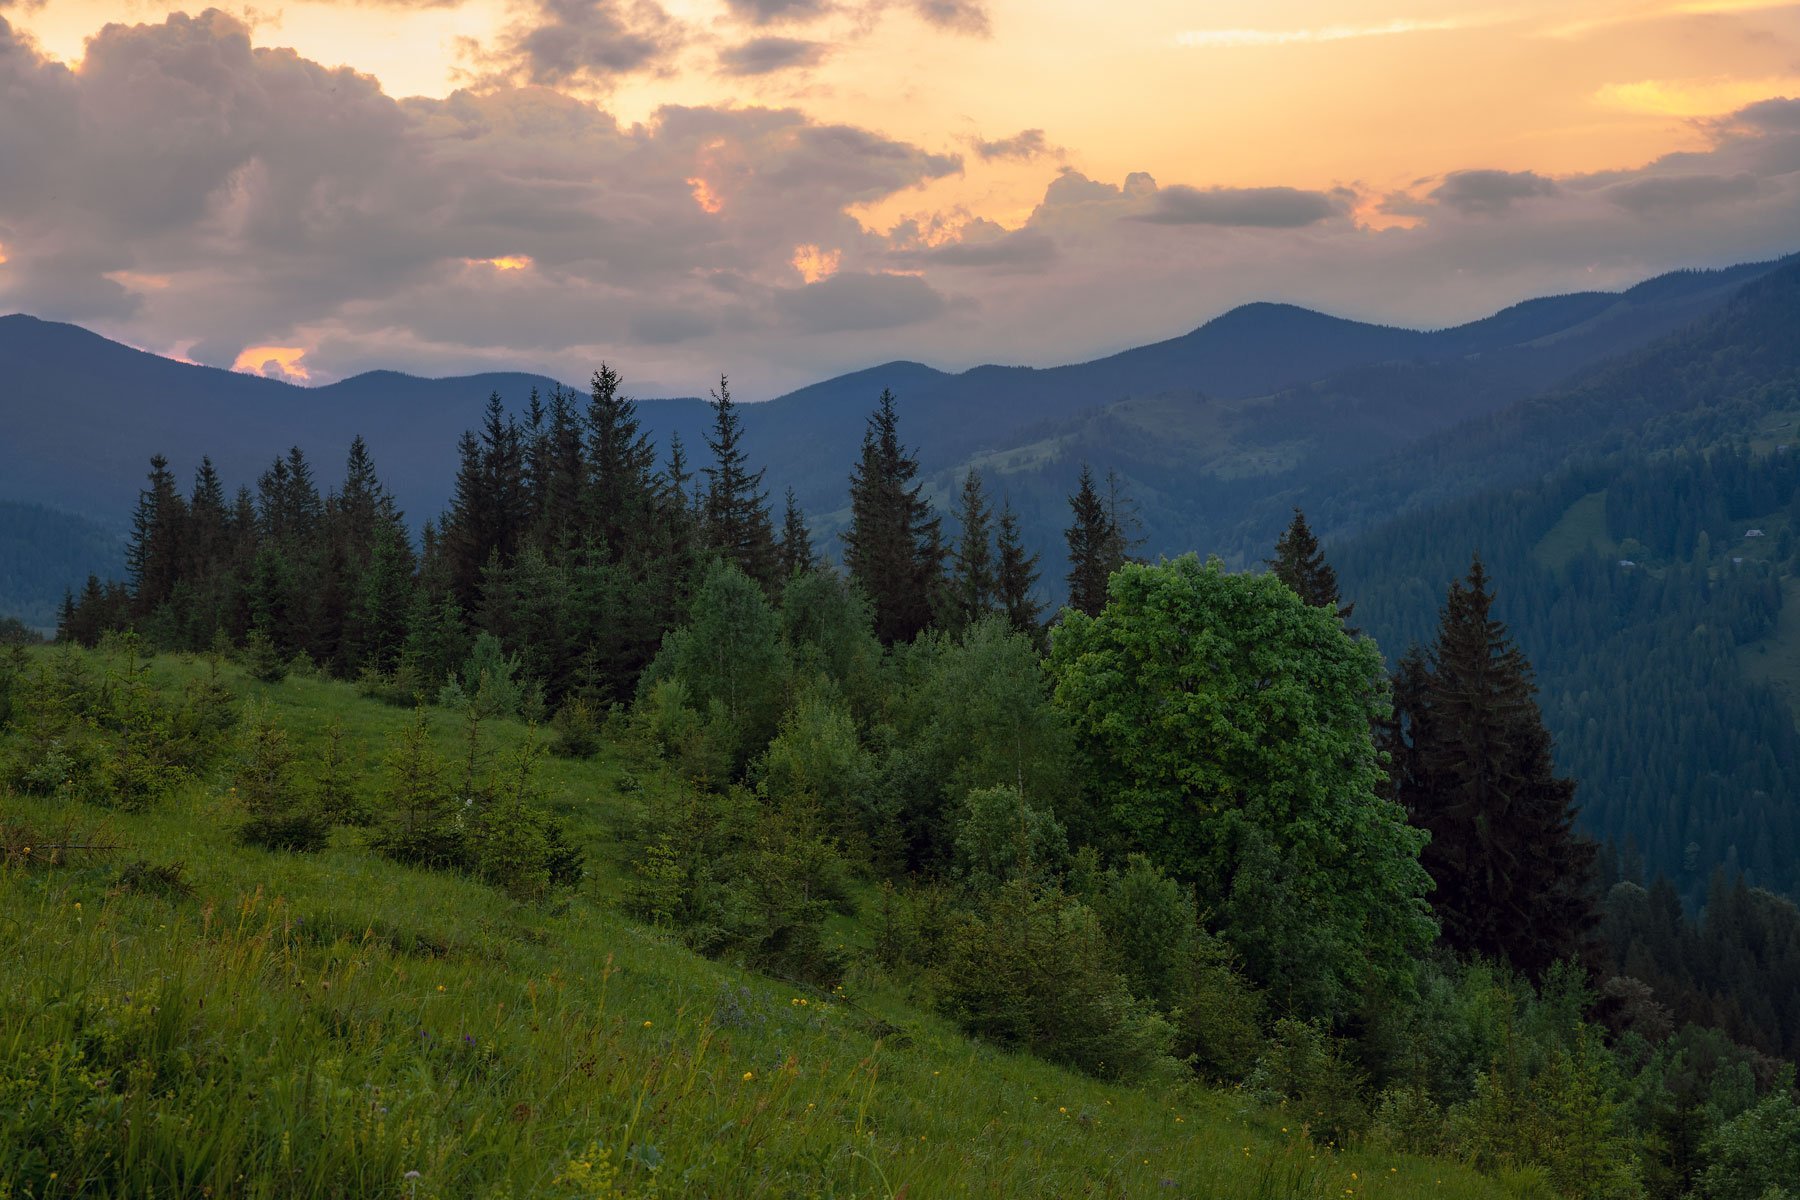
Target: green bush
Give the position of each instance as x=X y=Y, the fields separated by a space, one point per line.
x=575 y=731
x=1032 y=969
x=1756 y=1155
x=282 y=817
x=1308 y=1074
x=262 y=659
x=1001 y=838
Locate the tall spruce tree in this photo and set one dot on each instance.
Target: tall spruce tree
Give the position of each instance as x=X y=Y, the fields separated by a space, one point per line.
x=973 y=587
x=1017 y=576
x=893 y=548
x=795 y=550
x=153 y=556
x=621 y=470
x=1096 y=549
x=1300 y=564
x=1471 y=762
x=737 y=509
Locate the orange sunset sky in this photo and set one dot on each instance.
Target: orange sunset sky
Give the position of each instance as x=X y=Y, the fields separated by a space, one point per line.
x=789 y=188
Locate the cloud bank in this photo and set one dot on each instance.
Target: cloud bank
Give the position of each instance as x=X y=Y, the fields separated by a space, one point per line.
x=189 y=191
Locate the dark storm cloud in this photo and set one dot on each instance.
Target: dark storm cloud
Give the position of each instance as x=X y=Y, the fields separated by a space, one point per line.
x=1263 y=207
x=765 y=55
x=1487 y=193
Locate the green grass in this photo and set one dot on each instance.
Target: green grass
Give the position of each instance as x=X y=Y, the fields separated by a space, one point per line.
x=1581 y=527
x=328 y=1025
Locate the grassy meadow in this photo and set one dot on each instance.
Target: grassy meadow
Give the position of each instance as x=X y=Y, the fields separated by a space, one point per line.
x=181 y=1015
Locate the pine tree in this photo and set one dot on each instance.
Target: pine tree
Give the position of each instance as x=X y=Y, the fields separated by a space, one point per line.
x=1017 y=577
x=621 y=465
x=1513 y=878
x=974 y=589
x=1300 y=564
x=153 y=557
x=737 y=509
x=1095 y=549
x=795 y=551
x=560 y=478
x=893 y=548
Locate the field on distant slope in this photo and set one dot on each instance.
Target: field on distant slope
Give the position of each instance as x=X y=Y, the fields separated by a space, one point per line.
x=266 y=1025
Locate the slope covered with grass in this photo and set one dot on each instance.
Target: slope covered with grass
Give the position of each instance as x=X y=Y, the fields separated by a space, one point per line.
x=182 y=1015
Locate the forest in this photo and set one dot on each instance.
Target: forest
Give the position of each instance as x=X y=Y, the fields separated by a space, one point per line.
x=1187 y=828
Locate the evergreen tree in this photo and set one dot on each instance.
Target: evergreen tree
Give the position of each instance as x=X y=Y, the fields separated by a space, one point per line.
x=621 y=465
x=973 y=587
x=1095 y=548
x=153 y=556
x=1513 y=879
x=892 y=549
x=1300 y=564
x=1017 y=577
x=559 y=477
x=795 y=551
x=737 y=509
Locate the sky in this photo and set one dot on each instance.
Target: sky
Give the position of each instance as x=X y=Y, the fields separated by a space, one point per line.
x=787 y=189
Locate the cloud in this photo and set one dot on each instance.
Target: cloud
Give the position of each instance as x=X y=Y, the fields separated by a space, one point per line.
x=188 y=188
x=1024 y=145
x=1680 y=193
x=957 y=16
x=764 y=55
x=1266 y=207
x=859 y=301
x=590 y=42
x=1488 y=193
x=764 y=12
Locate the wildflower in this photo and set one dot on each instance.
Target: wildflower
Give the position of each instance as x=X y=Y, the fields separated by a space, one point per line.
x=646 y=1024
x=1061 y=1109
x=409 y=1174
x=749 y=1075
x=440 y=987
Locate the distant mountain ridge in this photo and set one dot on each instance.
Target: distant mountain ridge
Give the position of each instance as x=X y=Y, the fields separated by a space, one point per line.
x=83 y=414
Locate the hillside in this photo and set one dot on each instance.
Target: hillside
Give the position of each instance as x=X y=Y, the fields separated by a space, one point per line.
x=44 y=552
x=308 y=1025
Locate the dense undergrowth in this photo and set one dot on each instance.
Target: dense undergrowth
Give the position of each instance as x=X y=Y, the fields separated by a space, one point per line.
x=182 y=1014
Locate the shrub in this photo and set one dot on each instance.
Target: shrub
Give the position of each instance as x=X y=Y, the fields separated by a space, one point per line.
x=1756 y=1155
x=488 y=682
x=1001 y=838
x=1032 y=969
x=334 y=785
x=262 y=659
x=281 y=816
x=419 y=822
x=1306 y=1072
x=575 y=731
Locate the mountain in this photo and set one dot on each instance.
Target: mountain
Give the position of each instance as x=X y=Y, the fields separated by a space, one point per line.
x=1265 y=398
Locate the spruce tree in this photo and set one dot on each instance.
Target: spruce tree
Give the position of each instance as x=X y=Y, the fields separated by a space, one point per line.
x=1513 y=877
x=737 y=509
x=893 y=548
x=1095 y=549
x=153 y=556
x=973 y=586
x=1017 y=577
x=795 y=551
x=1300 y=564
x=621 y=466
